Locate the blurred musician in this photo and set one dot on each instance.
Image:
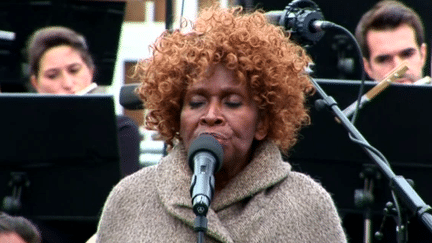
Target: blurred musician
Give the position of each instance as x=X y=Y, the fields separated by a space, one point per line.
x=60 y=63
x=389 y=34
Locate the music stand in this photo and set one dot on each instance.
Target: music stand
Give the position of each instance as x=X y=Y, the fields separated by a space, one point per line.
x=65 y=148
x=395 y=122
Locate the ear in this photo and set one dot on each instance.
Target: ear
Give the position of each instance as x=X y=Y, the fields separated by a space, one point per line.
x=34 y=82
x=423 y=52
x=368 y=68
x=261 y=128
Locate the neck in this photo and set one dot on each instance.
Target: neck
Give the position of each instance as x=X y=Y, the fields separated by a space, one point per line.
x=221 y=180
x=231 y=169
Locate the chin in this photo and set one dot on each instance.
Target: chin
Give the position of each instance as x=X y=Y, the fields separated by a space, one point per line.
x=404 y=81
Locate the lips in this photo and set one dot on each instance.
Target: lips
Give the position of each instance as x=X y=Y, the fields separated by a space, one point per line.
x=221 y=138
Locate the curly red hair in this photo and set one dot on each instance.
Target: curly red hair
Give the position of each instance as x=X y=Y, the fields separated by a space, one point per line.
x=259 y=54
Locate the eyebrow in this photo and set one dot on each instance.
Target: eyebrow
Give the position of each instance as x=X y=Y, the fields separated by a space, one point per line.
x=51 y=70
x=406 y=50
x=67 y=66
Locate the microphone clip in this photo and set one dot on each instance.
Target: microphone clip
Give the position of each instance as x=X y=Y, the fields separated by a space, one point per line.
x=300 y=17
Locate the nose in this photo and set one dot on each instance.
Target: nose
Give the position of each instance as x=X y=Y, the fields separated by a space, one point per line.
x=68 y=82
x=213 y=115
x=397 y=61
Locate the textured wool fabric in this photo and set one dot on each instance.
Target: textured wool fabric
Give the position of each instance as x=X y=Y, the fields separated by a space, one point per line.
x=266 y=202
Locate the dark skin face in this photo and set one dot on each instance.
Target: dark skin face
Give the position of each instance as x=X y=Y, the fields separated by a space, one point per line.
x=221 y=107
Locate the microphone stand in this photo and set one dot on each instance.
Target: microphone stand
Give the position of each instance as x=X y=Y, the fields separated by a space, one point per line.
x=398 y=183
x=200 y=226
x=364 y=198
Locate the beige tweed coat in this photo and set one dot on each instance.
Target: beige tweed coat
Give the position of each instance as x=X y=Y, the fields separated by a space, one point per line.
x=266 y=202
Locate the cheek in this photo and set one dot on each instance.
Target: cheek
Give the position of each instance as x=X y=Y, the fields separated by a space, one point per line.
x=419 y=64
x=85 y=83
x=86 y=78
x=379 y=71
x=245 y=124
x=185 y=126
x=182 y=125
x=47 y=85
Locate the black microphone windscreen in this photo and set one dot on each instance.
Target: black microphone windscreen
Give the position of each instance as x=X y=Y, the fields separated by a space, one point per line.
x=129 y=99
x=206 y=143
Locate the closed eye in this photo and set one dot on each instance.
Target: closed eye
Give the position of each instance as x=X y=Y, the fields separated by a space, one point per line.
x=75 y=68
x=52 y=74
x=233 y=100
x=382 y=59
x=233 y=104
x=196 y=101
x=195 y=104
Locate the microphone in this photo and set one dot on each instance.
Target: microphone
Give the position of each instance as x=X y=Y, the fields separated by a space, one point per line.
x=303 y=19
x=205 y=158
x=129 y=99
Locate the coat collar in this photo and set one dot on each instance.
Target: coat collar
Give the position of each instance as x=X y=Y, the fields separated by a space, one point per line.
x=174 y=178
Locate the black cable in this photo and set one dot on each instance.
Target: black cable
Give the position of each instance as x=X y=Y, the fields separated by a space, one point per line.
x=331 y=25
x=371 y=148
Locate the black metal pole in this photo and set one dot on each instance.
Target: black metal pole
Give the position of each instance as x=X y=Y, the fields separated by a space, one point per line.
x=169 y=14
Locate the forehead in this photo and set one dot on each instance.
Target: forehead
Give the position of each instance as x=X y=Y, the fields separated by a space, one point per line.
x=391 y=41
x=59 y=56
x=217 y=76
